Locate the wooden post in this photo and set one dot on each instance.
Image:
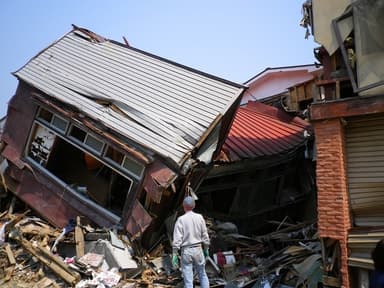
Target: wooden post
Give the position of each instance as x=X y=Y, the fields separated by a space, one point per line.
x=79 y=238
x=11 y=257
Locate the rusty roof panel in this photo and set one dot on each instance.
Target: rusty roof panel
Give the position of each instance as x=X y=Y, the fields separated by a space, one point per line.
x=259 y=130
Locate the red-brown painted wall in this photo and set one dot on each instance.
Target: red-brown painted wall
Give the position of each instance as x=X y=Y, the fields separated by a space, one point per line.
x=20 y=115
x=50 y=199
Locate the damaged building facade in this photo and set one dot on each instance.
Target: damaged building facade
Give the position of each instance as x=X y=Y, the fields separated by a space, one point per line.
x=104 y=130
x=274 y=86
x=264 y=173
x=348 y=120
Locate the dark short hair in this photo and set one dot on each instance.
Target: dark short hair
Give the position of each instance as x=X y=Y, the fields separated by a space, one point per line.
x=378 y=256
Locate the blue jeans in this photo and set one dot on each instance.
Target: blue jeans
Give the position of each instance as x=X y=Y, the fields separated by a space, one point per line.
x=193 y=258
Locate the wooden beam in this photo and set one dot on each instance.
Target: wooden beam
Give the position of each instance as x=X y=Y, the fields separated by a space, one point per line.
x=347 y=107
x=51 y=261
x=11 y=257
x=79 y=238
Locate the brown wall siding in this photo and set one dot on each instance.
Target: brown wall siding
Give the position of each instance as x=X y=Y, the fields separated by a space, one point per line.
x=20 y=116
x=333 y=201
x=47 y=197
x=40 y=198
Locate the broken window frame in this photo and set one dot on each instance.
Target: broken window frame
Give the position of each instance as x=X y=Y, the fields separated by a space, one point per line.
x=48 y=123
x=339 y=39
x=72 y=189
x=85 y=142
x=136 y=174
x=51 y=122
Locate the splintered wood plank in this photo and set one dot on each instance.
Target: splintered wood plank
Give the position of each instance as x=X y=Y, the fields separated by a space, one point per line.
x=45 y=257
x=79 y=238
x=36 y=229
x=2 y=214
x=43 y=283
x=10 y=271
x=11 y=257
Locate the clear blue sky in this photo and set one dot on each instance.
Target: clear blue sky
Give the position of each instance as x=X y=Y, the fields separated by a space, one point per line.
x=234 y=40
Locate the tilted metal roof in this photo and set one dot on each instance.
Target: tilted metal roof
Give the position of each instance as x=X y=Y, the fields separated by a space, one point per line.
x=260 y=130
x=167 y=107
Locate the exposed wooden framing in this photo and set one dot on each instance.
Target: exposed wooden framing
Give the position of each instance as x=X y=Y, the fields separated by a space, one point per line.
x=347 y=107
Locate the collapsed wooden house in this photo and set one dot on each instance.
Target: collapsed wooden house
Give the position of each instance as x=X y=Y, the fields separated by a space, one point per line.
x=107 y=131
x=265 y=171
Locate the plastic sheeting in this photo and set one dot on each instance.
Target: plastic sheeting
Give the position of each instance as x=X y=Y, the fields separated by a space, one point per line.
x=369 y=42
x=324 y=11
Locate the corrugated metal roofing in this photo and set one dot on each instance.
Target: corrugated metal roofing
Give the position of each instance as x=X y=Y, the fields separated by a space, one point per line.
x=260 y=130
x=167 y=106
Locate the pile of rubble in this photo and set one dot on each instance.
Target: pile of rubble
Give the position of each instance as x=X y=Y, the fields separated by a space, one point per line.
x=35 y=254
x=288 y=257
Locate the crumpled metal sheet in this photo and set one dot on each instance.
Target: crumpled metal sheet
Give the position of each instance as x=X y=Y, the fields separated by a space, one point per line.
x=158 y=177
x=309 y=270
x=139 y=220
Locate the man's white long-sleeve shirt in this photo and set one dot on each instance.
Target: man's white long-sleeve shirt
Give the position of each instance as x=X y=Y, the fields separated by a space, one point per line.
x=190 y=229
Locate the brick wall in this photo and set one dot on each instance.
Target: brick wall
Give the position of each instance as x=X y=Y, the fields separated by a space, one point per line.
x=333 y=204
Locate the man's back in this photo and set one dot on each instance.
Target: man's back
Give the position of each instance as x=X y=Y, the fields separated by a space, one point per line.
x=190 y=229
x=189 y=234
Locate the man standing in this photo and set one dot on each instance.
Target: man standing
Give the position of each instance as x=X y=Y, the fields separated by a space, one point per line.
x=191 y=237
